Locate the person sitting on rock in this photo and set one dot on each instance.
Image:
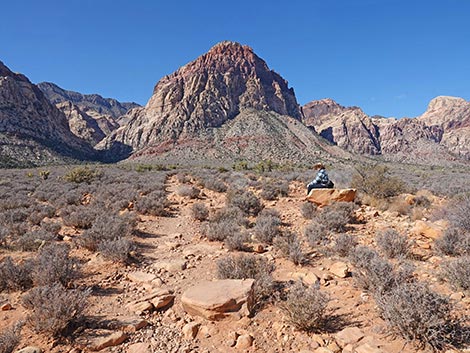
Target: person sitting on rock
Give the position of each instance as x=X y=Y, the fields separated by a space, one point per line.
x=321 y=181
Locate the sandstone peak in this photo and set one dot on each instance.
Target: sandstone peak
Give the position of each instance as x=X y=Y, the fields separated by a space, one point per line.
x=445 y=102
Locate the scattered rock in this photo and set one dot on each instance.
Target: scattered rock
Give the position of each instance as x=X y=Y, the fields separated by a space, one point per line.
x=431 y=230
x=323 y=350
x=214 y=300
x=367 y=348
x=307 y=278
x=112 y=340
x=349 y=335
x=162 y=301
x=139 y=348
x=244 y=341
x=171 y=266
x=324 y=197
x=133 y=324
x=190 y=330
x=6 y=307
x=140 y=307
x=141 y=277
x=339 y=269
x=30 y=349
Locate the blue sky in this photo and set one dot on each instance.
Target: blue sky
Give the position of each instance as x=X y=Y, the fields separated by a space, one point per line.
x=390 y=57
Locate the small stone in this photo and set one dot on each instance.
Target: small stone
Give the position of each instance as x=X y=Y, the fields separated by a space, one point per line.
x=349 y=335
x=30 y=349
x=334 y=347
x=190 y=330
x=259 y=248
x=323 y=350
x=67 y=238
x=139 y=348
x=6 y=307
x=140 y=307
x=109 y=341
x=367 y=348
x=133 y=325
x=454 y=296
x=339 y=269
x=141 y=277
x=244 y=341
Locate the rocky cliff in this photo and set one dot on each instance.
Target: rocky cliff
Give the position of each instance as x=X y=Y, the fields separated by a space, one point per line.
x=32 y=130
x=214 y=102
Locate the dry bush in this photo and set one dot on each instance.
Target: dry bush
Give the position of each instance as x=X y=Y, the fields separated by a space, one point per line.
x=308 y=209
x=117 y=250
x=459 y=214
x=232 y=214
x=245 y=201
x=31 y=241
x=155 y=203
x=289 y=245
x=199 y=211
x=316 y=234
x=267 y=227
x=54 y=265
x=344 y=244
x=220 y=230
x=249 y=266
x=417 y=313
x=274 y=189
x=82 y=175
x=422 y=201
x=305 y=307
x=336 y=216
x=81 y=217
x=39 y=212
x=400 y=205
x=214 y=184
x=54 y=308
x=457 y=272
x=453 y=242
x=376 y=181
x=10 y=338
x=3 y=236
x=188 y=191
x=393 y=244
x=14 y=277
x=237 y=241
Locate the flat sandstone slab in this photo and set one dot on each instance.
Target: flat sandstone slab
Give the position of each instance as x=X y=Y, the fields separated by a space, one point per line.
x=324 y=197
x=215 y=300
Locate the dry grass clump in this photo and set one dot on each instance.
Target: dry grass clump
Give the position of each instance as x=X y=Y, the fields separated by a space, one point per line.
x=54 y=265
x=188 y=191
x=10 y=338
x=308 y=209
x=54 y=309
x=249 y=266
x=417 y=313
x=457 y=272
x=335 y=217
x=14 y=277
x=393 y=244
x=305 y=307
x=344 y=244
x=199 y=211
x=288 y=243
x=267 y=227
x=246 y=201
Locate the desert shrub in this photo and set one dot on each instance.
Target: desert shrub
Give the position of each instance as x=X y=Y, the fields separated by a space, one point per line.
x=188 y=191
x=274 y=189
x=393 y=244
x=220 y=230
x=117 y=250
x=214 y=184
x=245 y=201
x=417 y=313
x=183 y=178
x=422 y=201
x=335 y=217
x=155 y=204
x=344 y=244
x=361 y=255
x=316 y=234
x=82 y=175
x=16 y=215
x=54 y=265
x=81 y=217
x=199 y=211
x=51 y=227
x=232 y=214
x=54 y=308
x=453 y=242
x=289 y=245
x=249 y=266
x=457 y=272
x=15 y=277
x=236 y=241
x=399 y=205
x=377 y=181
x=31 y=241
x=305 y=307
x=10 y=338
x=308 y=209
x=267 y=227
x=459 y=214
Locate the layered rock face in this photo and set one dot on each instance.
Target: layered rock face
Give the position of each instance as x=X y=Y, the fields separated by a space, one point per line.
x=213 y=102
x=429 y=138
x=32 y=130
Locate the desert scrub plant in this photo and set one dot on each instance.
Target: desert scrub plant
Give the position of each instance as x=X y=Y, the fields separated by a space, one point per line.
x=307 y=210
x=54 y=265
x=214 y=184
x=317 y=235
x=344 y=244
x=232 y=214
x=199 y=211
x=245 y=201
x=335 y=217
x=289 y=245
x=274 y=189
x=457 y=272
x=117 y=250
x=33 y=240
x=221 y=229
x=82 y=175
x=459 y=213
x=421 y=315
x=54 y=308
x=393 y=244
x=14 y=277
x=249 y=266
x=376 y=181
x=10 y=338
x=236 y=241
x=155 y=203
x=267 y=227
x=189 y=191
x=305 y=307
x=453 y=242
x=81 y=217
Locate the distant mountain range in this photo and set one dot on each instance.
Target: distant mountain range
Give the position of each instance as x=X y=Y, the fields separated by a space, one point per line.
x=224 y=106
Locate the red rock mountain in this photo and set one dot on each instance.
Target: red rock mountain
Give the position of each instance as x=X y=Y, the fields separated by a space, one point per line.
x=32 y=130
x=225 y=104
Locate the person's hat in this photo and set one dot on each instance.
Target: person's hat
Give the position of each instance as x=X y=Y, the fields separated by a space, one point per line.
x=319 y=166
